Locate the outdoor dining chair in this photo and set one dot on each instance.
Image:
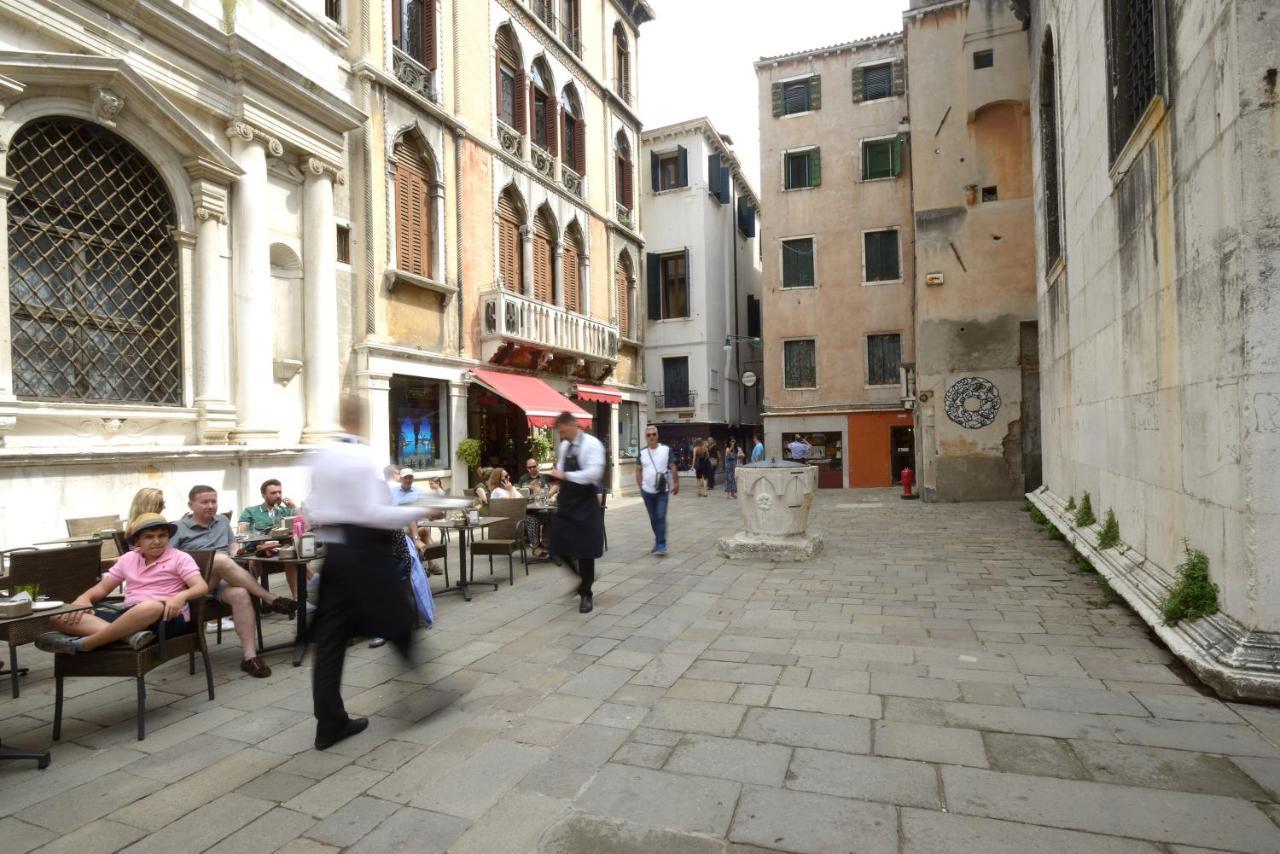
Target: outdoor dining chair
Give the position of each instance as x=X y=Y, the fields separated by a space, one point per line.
x=117 y=660
x=61 y=573
x=505 y=537
x=90 y=526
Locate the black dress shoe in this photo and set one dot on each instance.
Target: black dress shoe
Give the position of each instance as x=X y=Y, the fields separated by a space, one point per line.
x=585 y=606
x=354 y=726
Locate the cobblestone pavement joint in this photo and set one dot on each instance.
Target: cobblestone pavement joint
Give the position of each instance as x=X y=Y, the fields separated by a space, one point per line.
x=940 y=679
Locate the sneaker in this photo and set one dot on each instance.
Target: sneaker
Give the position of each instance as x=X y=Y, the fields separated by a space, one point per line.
x=57 y=643
x=255 y=667
x=284 y=605
x=227 y=624
x=139 y=640
x=661 y=551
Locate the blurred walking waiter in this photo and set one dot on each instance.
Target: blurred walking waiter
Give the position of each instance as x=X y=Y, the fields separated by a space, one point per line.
x=360 y=589
x=577 y=534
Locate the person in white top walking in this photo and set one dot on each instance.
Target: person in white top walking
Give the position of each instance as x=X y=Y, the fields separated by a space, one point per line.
x=658 y=479
x=577 y=534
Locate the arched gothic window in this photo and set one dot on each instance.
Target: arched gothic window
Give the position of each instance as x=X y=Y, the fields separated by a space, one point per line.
x=544 y=239
x=94 y=295
x=571 y=265
x=510 y=248
x=573 y=132
x=414 y=176
x=510 y=80
x=413 y=29
x=622 y=287
x=622 y=171
x=621 y=63
x=542 y=102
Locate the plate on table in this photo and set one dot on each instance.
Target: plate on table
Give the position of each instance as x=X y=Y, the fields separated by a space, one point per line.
x=46 y=604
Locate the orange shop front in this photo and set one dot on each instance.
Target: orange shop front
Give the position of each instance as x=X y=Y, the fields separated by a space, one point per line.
x=881 y=445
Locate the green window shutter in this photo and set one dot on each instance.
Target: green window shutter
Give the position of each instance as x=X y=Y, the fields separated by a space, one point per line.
x=788 y=265
x=654 y=275
x=777 y=99
x=895 y=165
x=806 y=263
x=899 y=77
x=858 y=96
x=871 y=249
x=815 y=167
x=815 y=92
x=889 y=255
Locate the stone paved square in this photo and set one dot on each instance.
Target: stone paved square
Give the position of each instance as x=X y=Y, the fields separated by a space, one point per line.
x=933 y=654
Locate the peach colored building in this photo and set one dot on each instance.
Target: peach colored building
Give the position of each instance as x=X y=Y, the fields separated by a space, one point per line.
x=838 y=258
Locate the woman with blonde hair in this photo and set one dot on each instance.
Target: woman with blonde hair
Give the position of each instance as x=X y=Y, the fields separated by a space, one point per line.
x=500 y=484
x=482 y=491
x=146 y=500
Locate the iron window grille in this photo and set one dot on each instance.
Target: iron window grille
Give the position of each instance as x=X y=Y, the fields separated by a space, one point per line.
x=1049 y=155
x=94 y=292
x=1133 y=56
x=884 y=359
x=800 y=365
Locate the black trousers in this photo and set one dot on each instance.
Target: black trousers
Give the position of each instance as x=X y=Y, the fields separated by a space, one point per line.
x=360 y=595
x=585 y=569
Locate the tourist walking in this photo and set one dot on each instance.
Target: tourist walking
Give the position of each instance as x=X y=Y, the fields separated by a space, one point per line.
x=658 y=478
x=713 y=461
x=732 y=456
x=757 y=448
x=700 y=466
x=360 y=588
x=577 y=532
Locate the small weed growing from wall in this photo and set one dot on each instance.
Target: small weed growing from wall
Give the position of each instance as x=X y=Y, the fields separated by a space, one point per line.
x=1037 y=517
x=1109 y=538
x=1027 y=506
x=1084 y=515
x=1194 y=595
x=1081 y=562
x=1071 y=504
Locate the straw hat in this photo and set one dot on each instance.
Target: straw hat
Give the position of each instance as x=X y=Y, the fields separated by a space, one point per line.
x=145 y=521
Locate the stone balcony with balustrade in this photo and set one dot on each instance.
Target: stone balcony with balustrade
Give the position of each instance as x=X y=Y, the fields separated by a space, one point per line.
x=524 y=332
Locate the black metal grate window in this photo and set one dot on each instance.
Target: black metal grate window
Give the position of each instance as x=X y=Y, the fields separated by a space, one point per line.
x=800 y=364
x=93 y=269
x=1049 y=155
x=1131 y=45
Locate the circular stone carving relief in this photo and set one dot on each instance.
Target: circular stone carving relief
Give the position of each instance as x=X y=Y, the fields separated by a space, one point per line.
x=972 y=402
x=764 y=501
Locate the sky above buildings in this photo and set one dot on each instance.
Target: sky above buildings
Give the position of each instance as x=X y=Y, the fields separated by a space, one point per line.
x=696 y=57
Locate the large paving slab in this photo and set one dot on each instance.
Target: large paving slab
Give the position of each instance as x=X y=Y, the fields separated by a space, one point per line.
x=934 y=656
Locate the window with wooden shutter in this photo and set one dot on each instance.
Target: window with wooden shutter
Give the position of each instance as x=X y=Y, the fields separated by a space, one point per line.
x=510 y=250
x=621 y=63
x=779 y=99
x=510 y=78
x=754 y=326
x=622 y=172
x=796 y=170
x=746 y=217
x=571 y=263
x=413 y=29
x=675 y=286
x=795 y=97
x=880 y=260
x=413 y=212
x=622 y=287
x=797 y=263
x=881 y=158
x=543 y=240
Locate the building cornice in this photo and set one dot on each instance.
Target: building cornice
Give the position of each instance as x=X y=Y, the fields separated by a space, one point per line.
x=939 y=6
x=829 y=50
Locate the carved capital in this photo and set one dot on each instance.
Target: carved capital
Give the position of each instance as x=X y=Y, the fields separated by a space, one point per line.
x=106 y=105
x=525 y=231
x=249 y=133
x=314 y=166
x=210 y=199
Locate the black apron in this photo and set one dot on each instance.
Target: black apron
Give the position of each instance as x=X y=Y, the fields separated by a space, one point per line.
x=361 y=593
x=578 y=528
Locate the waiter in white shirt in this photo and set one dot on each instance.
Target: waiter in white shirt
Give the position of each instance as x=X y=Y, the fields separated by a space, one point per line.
x=577 y=533
x=360 y=589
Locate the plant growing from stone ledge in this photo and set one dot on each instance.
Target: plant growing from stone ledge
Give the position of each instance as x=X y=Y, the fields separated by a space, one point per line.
x=1071 y=504
x=1109 y=537
x=1194 y=595
x=1084 y=515
x=1036 y=516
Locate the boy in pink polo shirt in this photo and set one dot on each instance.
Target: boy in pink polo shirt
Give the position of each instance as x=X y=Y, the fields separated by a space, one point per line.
x=160 y=582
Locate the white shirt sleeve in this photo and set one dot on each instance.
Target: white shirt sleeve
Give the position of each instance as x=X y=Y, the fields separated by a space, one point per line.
x=347 y=489
x=590 y=460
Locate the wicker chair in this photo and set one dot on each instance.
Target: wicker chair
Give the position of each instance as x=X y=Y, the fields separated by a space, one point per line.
x=120 y=660
x=439 y=551
x=505 y=537
x=62 y=573
x=89 y=526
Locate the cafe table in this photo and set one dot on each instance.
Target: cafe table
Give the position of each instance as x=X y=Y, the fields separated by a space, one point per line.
x=463 y=528
x=40 y=756
x=267 y=565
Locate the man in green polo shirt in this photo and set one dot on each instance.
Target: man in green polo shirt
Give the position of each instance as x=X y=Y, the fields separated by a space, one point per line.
x=267 y=515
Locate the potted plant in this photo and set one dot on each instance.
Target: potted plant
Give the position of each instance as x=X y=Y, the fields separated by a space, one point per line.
x=540 y=445
x=469 y=452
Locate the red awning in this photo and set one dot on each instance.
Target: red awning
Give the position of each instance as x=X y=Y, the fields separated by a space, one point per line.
x=540 y=402
x=596 y=394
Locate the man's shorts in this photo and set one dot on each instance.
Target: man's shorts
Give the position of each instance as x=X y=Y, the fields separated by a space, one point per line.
x=179 y=625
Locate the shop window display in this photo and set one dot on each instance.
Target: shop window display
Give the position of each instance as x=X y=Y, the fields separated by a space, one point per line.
x=418 y=436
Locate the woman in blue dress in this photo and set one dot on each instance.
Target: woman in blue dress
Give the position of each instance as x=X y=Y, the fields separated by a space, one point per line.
x=731 y=454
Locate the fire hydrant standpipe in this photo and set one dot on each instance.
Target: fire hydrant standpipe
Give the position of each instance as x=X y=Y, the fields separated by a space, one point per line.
x=908 y=479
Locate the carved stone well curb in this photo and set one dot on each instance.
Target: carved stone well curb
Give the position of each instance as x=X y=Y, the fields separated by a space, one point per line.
x=774 y=498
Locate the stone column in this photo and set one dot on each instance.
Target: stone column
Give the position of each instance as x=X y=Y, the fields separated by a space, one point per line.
x=457 y=432
x=8 y=420
x=320 y=301
x=615 y=464
x=526 y=253
x=439 y=233
x=557 y=275
x=211 y=303
x=252 y=314
x=374 y=389
x=584 y=298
